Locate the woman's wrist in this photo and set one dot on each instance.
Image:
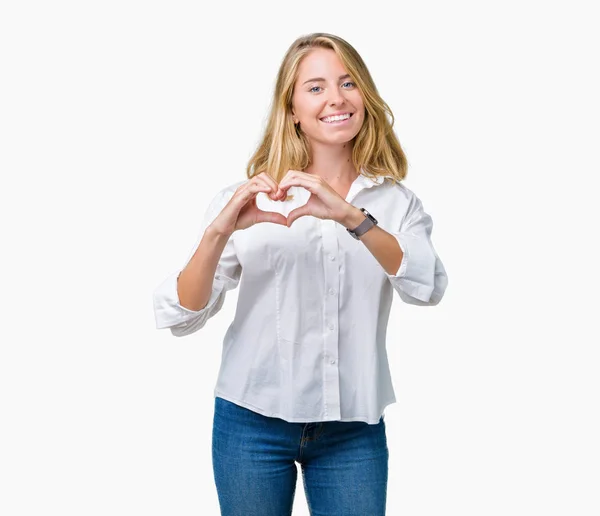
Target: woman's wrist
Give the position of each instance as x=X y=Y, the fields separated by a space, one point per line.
x=352 y=218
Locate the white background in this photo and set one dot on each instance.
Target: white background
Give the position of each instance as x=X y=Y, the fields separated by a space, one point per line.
x=120 y=120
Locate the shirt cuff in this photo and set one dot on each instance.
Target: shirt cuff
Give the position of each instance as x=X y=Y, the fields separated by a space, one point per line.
x=416 y=274
x=169 y=313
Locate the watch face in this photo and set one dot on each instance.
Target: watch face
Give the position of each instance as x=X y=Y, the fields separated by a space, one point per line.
x=369 y=216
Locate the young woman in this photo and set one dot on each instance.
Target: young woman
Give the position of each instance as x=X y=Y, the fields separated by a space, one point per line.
x=319 y=236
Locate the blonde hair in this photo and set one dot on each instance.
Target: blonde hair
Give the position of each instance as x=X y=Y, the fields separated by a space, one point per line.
x=376 y=150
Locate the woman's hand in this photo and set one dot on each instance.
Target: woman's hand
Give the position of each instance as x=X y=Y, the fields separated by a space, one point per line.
x=241 y=211
x=324 y=202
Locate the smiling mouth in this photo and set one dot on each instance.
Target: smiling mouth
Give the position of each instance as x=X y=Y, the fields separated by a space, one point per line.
x=333 y=122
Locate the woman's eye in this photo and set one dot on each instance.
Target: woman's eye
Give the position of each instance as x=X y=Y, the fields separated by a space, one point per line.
x=347 y=82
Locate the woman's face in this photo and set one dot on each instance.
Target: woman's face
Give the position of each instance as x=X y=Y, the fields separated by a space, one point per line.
x=323 y=88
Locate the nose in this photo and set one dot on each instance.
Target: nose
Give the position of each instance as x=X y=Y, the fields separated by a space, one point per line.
x=336 y=97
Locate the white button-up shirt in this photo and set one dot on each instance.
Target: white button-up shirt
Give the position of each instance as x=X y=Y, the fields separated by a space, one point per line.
x=308 y=340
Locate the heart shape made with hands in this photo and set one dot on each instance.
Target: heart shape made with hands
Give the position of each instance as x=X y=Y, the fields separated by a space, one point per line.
x=296 y=196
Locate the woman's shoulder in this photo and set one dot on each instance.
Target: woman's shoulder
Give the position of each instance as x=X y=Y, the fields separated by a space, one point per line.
x=397 y=187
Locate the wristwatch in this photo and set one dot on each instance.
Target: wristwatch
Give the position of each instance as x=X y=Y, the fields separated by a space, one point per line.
x=364 y=226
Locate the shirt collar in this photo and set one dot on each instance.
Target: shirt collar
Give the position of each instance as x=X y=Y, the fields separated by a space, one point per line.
x=367 y=182
x=362 y=182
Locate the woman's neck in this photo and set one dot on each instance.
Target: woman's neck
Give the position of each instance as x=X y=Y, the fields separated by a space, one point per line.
x=334 y=164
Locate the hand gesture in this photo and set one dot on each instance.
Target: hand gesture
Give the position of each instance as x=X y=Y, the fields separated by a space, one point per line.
x=324 y=202
x=241 y=211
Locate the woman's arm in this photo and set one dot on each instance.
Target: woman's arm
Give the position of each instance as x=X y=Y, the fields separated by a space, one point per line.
x=383 y=246
x=190 y=296
x=407 y=255
x=194 y=283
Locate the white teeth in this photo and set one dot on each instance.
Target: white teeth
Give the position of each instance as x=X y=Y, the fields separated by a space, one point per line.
x=336 y=118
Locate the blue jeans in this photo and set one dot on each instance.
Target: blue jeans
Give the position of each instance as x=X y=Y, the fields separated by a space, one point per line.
x=344 y=464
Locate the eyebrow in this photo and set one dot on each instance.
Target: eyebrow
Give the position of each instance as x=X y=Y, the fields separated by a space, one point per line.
x=316 y=79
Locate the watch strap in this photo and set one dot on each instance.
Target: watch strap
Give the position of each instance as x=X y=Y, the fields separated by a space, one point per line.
x=364 y=226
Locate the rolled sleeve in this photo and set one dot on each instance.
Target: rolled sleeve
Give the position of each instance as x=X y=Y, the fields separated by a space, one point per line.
x=421 y=278
x=168 y=311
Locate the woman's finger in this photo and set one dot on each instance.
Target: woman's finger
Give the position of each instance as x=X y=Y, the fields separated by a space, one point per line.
x=248 y=191
x=312 y=185
x=270 y=216
x=273 y=188
x=267 y=179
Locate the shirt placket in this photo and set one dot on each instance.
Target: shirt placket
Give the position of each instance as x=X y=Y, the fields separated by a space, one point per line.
x=331 y=375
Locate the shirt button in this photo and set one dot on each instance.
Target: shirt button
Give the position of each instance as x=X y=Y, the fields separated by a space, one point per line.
x=331 y=257
x=331 y=326
x=332 y=361
x=332 y=291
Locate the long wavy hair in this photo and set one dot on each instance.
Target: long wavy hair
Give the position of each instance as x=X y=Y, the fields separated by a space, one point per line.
x=376 y=149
